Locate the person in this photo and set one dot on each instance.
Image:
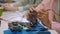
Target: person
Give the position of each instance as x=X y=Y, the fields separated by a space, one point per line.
x=22 y=4
x=19 y=7
x=50 y=5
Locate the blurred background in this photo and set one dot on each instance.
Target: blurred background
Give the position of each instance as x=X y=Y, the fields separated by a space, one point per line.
x=4 y=25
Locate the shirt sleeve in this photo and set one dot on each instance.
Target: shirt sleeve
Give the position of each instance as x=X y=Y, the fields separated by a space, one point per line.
x=48 y=4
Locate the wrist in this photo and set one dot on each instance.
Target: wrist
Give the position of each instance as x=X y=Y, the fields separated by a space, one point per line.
x=15 y=8
x=20 y=8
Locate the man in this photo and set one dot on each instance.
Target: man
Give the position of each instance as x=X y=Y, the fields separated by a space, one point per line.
x=21 y=6
x=27 y=6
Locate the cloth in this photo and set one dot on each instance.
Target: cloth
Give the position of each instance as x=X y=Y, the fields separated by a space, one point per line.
x=37 y=29
x=51 y=4
x=19 y=19
x=48 y=4
x=11 y=15
x=56 y=26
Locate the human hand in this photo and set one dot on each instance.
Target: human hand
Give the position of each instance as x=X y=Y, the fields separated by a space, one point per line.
x=7 y=6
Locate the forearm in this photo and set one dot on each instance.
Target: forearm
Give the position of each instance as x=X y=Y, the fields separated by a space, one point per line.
x=19 y=8
x=14 y=9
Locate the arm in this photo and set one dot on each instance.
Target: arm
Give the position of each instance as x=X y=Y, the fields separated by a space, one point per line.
x=47 y=4
x=25 y=5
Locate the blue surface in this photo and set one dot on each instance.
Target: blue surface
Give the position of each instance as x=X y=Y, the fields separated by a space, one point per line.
x=37 y=29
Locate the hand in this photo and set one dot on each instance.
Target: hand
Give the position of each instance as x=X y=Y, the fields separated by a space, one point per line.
x=7 y=6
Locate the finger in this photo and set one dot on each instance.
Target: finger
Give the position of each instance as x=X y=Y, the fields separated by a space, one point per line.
x=6 y=4
x=31 y=10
